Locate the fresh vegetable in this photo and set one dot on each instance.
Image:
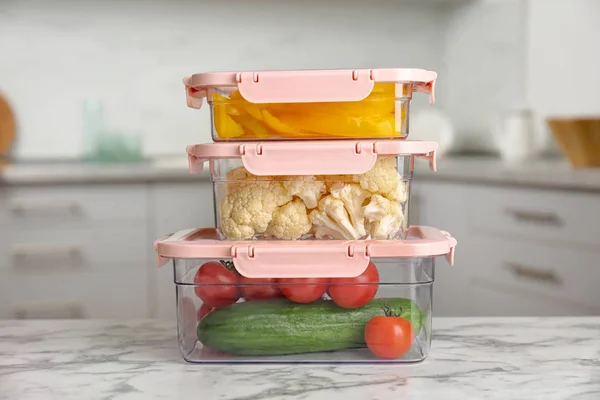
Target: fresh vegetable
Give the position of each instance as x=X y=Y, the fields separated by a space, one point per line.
x=384 y=217
x=355 y=292
x=290 y=221
x=308 y=188
x=374 y=116
x=353 y=197
x=332 y=220
x=259 y=288
x=383 y=179
x=303 y=290
x=326 y=207
x=280 y=327
x=216 y=284
x=248 y=207
x=223 y=121
x=204 y=310
x=389 y=336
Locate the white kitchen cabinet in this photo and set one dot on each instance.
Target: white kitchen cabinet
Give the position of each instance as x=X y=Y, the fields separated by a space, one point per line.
x=520 y=251
x=175 y=207
x=441 y=205
x=74 y=251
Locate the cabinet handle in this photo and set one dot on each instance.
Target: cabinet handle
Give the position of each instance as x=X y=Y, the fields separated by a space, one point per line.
x=24 y=209
x=45 y=253
x=531 y=273
x=49 y=311
x=535 y=217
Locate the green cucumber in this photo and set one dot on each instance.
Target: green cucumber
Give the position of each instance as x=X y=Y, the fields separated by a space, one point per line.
x=281 y=327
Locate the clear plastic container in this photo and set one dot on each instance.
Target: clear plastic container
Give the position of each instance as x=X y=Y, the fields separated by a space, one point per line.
x=293 y=190
x=262 y=302
x=318 y=104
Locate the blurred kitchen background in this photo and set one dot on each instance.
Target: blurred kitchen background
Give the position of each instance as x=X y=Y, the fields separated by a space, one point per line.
x=78 y=214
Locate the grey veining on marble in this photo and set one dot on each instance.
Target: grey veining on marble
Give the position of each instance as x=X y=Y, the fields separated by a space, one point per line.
x=477 y=358
x=543 y=174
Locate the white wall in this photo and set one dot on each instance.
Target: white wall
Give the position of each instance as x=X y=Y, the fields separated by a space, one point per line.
x=563 y=59
x=485 y=59
x=133 y=54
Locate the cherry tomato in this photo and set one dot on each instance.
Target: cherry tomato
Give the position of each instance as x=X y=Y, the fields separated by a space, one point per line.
x=389 y=337
x=259 y=288
x=355 y=292
x=303 y=290
x=204 y=310
x=216 y=285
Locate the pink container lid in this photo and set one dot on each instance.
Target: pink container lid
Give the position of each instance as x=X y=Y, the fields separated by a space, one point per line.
x=303 y=258
x=308 y=86
x=327 y=157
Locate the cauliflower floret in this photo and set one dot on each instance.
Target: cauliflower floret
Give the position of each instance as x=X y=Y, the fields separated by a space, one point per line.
x=353 y=197
x=325 y=227
x=383 y=178
x=248 y=207
x=308 y=188
x=290 y=221
x=377 y=208
x=237 y=174
x=331 y=180
x=385 y=217
x=331 y=219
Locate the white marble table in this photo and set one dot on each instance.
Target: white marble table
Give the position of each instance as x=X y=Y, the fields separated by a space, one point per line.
x=480 y=358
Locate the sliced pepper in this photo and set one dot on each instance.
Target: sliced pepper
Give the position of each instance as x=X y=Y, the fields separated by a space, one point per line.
x=336 y=125
x=225 y=125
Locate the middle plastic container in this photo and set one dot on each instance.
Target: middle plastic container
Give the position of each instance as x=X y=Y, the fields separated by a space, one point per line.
x=350 y=190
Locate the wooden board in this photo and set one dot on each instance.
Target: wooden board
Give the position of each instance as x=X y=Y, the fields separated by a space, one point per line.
x=8 y=127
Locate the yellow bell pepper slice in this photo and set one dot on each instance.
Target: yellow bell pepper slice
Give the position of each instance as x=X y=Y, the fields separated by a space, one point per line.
x=253 y=109
x=335 y=125
x=283 y=129
x=225 y=125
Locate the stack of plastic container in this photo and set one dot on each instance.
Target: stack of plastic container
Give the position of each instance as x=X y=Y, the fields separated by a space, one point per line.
x=311 y=258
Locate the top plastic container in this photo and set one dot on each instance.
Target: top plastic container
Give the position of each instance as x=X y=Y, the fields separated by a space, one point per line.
x=312 y=104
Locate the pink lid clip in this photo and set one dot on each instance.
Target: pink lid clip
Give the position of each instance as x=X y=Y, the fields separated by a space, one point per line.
x=328 y=157
x=309 y=86
x=304 y=258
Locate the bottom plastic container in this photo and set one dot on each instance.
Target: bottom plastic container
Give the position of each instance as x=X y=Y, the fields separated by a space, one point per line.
x=310 y=302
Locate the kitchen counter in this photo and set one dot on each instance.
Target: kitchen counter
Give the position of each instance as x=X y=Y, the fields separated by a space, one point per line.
x=543 y=174
x=479 y=358
x=163 y=170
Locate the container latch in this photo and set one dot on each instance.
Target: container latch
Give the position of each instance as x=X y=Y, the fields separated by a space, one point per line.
x=281 y=260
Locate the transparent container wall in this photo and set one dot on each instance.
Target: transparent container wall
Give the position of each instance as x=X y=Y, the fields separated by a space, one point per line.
x=371 y=205
x=277 y=329
x=383 y=114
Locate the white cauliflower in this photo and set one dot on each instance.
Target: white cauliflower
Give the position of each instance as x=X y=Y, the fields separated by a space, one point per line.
x=330 y=219
x=353 y=197
x=383 y=179
x=308 y=188
x=385 y=217
x=331 y=180
x=248 y=206
x=290 y=221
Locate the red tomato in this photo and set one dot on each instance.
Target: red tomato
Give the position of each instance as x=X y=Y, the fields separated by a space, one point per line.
x=303 y=290
x=389 y=337
x=216 y=285
x=355 y=292
x=259 y=288
x=204 y=310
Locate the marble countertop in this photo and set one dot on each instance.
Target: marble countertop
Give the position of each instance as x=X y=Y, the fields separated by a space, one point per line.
x=474 y=358
x=543 y=174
